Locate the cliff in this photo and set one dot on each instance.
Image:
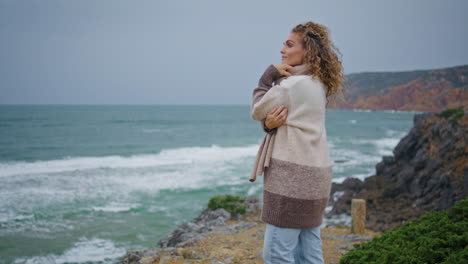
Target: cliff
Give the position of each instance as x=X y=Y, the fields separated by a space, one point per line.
x=423 y=90
x=428 y=171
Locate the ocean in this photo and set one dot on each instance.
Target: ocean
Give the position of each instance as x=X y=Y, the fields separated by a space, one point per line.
x=85 y=183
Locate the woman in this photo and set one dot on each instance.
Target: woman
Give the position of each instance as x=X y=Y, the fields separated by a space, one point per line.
x=294 y=155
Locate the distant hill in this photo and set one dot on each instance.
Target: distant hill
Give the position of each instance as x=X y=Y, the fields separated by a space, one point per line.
x=422 y=90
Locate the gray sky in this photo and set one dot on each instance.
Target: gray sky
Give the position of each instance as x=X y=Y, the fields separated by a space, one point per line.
x=204 y=52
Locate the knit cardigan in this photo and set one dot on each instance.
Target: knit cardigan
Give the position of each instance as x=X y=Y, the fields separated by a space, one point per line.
x=297 y=181
x=265 y=150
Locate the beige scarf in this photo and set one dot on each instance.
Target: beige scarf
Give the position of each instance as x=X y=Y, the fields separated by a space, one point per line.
x=266 y=147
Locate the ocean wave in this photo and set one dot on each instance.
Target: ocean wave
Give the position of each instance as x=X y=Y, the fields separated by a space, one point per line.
x=32 y=227
x=6 y=217
x=384 y=146
x=395 y=134
x=114 y=184
x=94 y=250
x=177 y=156
x=361 y=177
x=114 y=207
x=349 y=158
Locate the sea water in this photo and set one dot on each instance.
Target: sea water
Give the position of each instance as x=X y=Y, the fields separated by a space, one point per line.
x=85 y=183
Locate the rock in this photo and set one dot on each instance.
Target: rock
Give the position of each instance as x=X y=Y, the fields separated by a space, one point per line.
x=175 y=245
x=149 y=260
x=427 y=172
x=133 y=256
x=189 y=232
x=348 y=238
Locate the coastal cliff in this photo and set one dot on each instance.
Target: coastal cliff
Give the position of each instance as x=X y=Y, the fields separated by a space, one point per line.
x=422 y=90
x=428 y=171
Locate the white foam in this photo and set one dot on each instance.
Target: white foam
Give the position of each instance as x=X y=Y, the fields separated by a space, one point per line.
x=117 y=184
x=395 y=134
x=37 y=228
x=361 y=177
x=84 y=251
x=178 y=156
x=341 y=219
x=384 y=146
x=160 y=208
x=115 y=207
x=337 y=195
x=352 y=121
x=11 y=216
x=350 y=158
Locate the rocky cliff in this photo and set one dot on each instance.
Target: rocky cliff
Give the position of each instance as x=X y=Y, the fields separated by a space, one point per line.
x=424 y=90
x=428 y=171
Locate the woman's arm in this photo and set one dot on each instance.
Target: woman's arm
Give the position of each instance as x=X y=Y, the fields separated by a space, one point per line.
x=275 y=118
x=265 y=83
x=266 y=97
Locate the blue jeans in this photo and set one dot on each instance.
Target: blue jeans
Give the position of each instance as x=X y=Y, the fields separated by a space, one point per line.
x=292 y=246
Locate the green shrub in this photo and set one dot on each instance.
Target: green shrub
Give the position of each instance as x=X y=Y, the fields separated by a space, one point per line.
x=437 y=237
x=452 y=114
x=231 y=203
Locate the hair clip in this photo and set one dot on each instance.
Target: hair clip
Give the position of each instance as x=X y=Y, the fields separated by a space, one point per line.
x=310 y=34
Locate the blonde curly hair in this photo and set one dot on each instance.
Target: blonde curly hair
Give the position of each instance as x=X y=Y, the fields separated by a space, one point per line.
x=322 y=57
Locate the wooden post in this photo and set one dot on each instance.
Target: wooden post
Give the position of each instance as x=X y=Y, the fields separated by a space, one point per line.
x=358 y=215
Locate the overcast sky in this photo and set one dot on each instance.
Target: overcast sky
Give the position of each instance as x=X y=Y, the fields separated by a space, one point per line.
x=204 y=52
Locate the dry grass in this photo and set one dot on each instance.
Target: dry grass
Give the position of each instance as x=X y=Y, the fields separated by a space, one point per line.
x=245 y=246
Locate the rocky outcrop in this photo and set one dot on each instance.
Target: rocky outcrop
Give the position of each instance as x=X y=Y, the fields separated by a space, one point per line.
x=428 y=171
x=207 y=223
x=194 y=230
x=424 y=90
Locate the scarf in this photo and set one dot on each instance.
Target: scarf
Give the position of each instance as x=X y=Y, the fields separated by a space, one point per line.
x=262 y=159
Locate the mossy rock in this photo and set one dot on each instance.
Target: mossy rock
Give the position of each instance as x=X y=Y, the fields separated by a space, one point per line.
x=231 y=203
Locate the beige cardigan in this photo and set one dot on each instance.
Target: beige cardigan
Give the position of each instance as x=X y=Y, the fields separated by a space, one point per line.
x=262 y=159
x=298 y=171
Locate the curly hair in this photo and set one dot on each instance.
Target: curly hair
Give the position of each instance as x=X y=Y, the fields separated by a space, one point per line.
x=322 y=57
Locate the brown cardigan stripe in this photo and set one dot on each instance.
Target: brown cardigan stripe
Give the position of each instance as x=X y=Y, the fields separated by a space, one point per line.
x=289 y=212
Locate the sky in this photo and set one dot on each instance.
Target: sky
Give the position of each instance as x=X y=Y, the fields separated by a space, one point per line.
x=204 y=52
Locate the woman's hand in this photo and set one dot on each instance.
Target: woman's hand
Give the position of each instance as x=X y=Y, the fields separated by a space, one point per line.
x=276 y=117
x=283 y=69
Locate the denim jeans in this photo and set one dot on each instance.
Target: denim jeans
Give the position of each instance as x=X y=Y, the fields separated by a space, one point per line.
x=292 y=246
